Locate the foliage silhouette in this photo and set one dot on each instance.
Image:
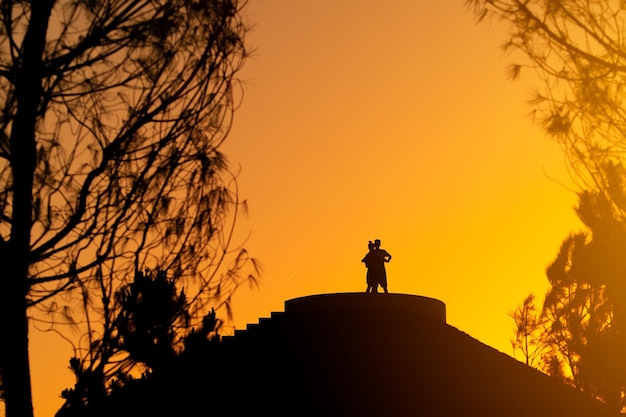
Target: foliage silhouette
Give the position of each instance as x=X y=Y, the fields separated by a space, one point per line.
x=151 y=311
x=582 y=324
x=112 y=116
x=151 y=329
x=529 y=335
x=576 y=48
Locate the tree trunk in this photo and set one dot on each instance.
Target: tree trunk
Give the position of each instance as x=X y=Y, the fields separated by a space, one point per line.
x=15 y=256
x=14 y=348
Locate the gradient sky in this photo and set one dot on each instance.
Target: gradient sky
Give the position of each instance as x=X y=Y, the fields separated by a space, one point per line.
x=393 y=120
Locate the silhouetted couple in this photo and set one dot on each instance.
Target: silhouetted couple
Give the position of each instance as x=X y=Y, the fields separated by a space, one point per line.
x=375 y=264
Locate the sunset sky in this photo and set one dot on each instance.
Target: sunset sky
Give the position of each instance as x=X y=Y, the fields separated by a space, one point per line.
x=394 y=120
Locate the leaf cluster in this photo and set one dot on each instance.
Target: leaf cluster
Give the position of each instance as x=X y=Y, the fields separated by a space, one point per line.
x=577 y=51
x=578 y=335
x=151 y=336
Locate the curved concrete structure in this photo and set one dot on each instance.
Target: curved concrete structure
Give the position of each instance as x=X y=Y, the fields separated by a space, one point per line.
x=368 y=302
x=352 y=354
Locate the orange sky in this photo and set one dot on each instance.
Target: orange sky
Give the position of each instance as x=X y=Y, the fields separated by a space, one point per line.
x=394 y=120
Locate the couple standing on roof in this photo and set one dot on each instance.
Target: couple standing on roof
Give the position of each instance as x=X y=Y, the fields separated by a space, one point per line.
x=375 y=264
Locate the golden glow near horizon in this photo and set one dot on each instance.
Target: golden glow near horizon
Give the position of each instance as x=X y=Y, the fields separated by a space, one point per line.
x=365 y=120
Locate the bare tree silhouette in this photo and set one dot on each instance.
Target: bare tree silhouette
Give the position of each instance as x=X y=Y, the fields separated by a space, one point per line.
x=112 y=116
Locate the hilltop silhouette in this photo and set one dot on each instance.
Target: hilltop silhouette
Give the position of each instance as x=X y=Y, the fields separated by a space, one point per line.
x=354 y=354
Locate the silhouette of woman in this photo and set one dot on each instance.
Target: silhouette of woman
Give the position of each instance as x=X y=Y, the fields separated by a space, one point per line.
x=368 y=260
x=375 y=263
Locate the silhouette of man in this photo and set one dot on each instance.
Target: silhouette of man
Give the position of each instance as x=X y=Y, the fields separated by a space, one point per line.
x=375 y=262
